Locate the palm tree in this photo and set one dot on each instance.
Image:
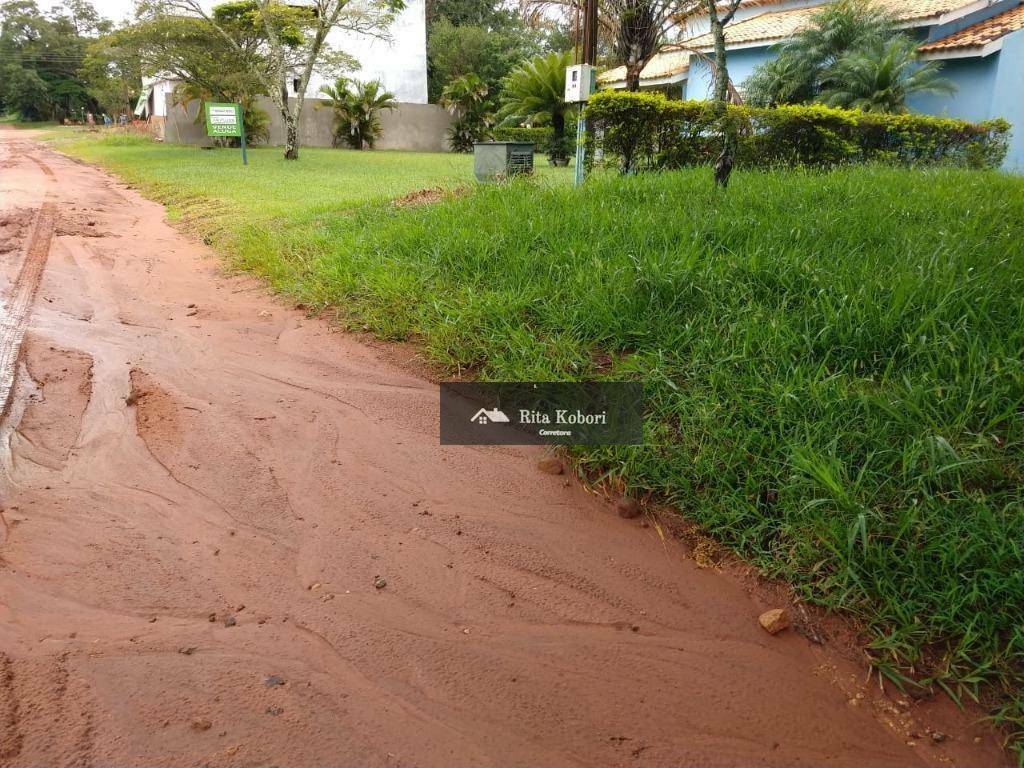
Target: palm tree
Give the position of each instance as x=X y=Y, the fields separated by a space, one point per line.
x=357 y=108
x=795 y=76
x=881 y=77
x=466 y=98
x=534 y=93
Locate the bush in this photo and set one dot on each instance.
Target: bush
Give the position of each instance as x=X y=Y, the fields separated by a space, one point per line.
x=538 y=136
x=648 y=130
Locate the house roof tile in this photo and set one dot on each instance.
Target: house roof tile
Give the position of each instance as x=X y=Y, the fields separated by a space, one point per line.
x=779 y=25
x=670 y=61
x=980 y=34
x=774 y=26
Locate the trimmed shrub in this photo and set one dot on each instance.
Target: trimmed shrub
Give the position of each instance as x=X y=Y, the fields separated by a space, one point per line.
x=650 y=131
x=539 y=136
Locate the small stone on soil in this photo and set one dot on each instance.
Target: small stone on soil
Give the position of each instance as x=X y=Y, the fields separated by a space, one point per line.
x=230 y=621
x=380 y=582
x=774 y=621
x=273 y=680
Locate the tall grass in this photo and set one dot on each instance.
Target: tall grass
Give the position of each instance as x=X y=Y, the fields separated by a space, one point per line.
x=834 y=368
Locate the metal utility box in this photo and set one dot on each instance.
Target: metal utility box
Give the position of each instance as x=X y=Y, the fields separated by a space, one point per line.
x=493 y=160
x=580 y=83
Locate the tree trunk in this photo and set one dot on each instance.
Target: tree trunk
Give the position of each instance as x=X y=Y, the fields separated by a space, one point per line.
x=726 y=158
x=632 y=78
x=291 y=140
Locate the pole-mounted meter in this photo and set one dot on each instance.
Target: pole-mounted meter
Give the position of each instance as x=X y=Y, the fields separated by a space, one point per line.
x=580 y=83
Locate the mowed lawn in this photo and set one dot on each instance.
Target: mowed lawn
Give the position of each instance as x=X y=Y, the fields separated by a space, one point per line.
x=834 y=362
x=270 y=187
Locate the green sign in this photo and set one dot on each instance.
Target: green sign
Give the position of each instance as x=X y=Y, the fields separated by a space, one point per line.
x=223 y=119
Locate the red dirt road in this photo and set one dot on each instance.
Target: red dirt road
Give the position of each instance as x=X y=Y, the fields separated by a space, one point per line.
x=200 y=486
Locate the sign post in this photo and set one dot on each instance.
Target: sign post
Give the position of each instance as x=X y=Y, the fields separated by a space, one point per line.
x=226 y=120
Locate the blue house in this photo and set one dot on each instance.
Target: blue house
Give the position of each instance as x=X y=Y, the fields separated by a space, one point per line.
x=979 y=42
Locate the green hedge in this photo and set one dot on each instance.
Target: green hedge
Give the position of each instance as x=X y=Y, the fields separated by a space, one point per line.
x=648 y=130
x=539 y=136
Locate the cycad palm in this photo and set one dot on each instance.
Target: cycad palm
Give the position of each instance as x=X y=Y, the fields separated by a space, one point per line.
x=881 y=77
x=535 y=93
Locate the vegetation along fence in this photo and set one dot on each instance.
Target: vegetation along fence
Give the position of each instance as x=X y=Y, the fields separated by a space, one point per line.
x=650 y=131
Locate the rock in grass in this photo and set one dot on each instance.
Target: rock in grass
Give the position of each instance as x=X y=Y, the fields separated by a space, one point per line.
x=628 y=507
x=551 y=465
x=774 y=621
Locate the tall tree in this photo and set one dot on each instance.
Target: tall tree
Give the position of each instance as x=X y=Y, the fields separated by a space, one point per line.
x=40 y=55
x=482 y=37
x=280 y=60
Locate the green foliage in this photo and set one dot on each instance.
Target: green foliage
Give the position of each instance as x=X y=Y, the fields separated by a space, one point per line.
x=880 y=77
x=534 y=93
x=490 y=51
x=40 y=57
x=647 y=130
x=852 y=55
x=256 y=122
x=540 y=137
x=466 y=98
x=357 y=109
x=191 y=50
x=244 y=19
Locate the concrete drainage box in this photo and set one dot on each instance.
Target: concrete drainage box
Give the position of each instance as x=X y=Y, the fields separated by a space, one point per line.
x=495 y=160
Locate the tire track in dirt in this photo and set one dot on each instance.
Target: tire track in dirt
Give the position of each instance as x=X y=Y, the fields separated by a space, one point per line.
x=22 y=294
x=10 y=734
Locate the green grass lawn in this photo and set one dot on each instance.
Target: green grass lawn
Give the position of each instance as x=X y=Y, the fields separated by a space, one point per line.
x=833 y=361
x=270 y=187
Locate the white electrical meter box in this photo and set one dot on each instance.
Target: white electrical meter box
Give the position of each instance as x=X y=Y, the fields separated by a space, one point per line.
x=580 y=83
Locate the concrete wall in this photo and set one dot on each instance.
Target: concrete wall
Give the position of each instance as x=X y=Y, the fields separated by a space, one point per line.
x=416 y=127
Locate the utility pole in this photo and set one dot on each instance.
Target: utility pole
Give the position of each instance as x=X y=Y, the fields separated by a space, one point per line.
x=581 y=81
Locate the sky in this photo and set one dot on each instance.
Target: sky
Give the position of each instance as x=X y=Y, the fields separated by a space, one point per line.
x=118 y=10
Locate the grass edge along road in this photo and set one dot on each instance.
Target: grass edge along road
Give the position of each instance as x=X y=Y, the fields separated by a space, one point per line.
x=833 y=361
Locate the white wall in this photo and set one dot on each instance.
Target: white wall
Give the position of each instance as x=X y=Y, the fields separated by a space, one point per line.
x=400 y=64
